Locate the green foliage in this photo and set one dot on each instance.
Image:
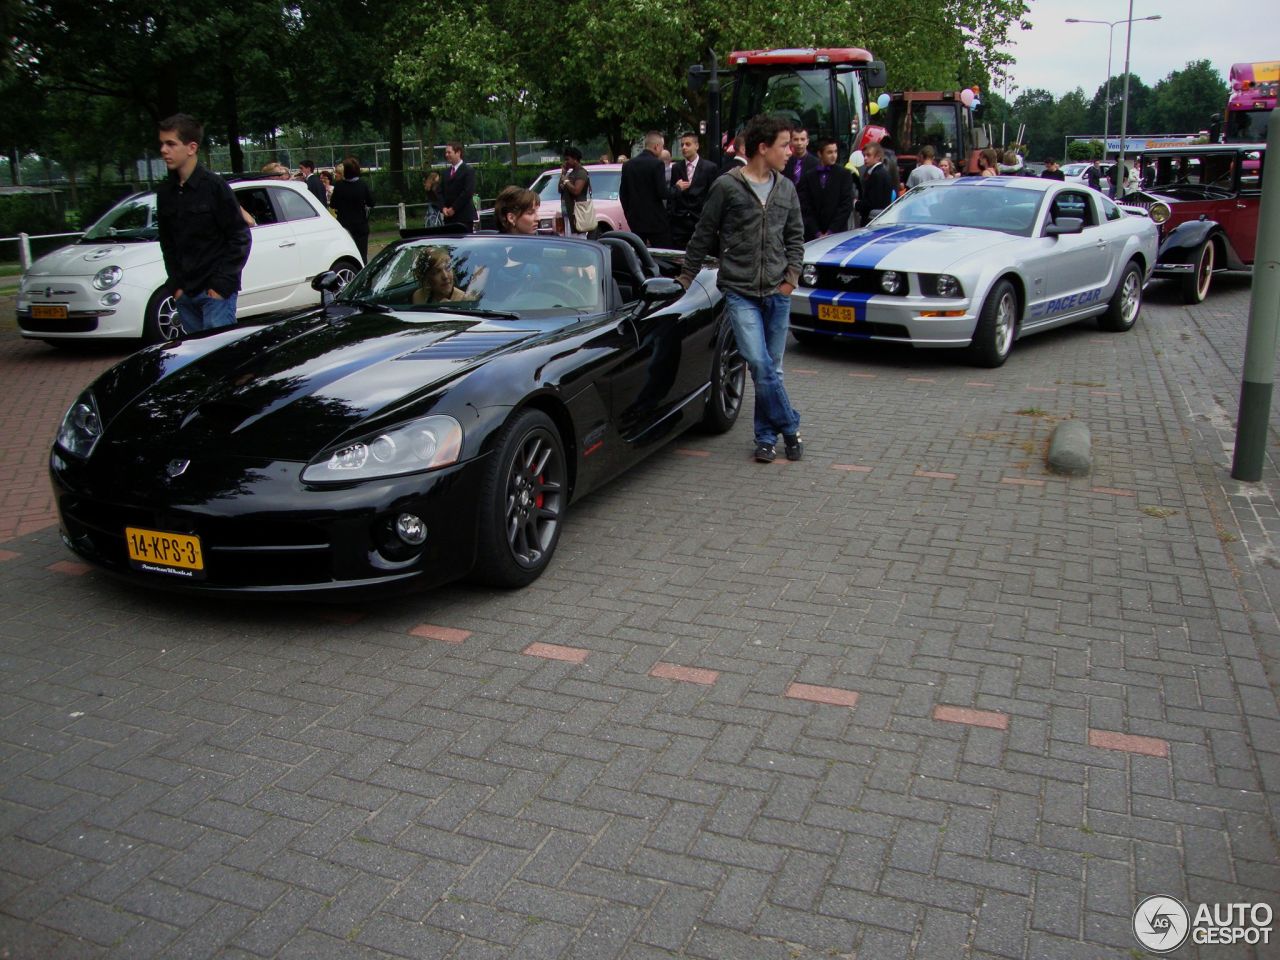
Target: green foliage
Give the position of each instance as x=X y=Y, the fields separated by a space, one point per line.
x=29 y=213
x=1085 y=150
x=1185 y=100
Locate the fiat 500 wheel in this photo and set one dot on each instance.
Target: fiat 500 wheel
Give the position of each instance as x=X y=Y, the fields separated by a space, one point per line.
x=522 y=502
x=161 y=322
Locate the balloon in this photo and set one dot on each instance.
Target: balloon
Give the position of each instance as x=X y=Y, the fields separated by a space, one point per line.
x=883 y=101
x=966 y=96
x=875 y=108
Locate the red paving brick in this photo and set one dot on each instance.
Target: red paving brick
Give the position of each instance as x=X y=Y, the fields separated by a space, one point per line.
x=70 y=567
x=1147 y=746
x=40 y=383
x=672 y=671
x=1022 y=481
x=934 y=475
x=8 y=554
x=974 y=718
x=446 y=634
x=691 y=452
x=554 y=651
x=829 y=695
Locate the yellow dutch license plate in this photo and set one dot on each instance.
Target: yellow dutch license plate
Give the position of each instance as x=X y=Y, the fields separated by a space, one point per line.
x=157 y=551
x=48 y=311
x=828 y=311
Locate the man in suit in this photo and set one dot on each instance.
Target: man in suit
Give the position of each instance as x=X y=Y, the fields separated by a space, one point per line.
x=877 y=190
x=458 y=188
x=691 y=178
x=312 y=179
x=801 y=160
x=643 y=192
x=826 y=194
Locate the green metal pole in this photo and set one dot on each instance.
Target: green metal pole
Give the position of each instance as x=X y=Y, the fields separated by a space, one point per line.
x=1264 y=322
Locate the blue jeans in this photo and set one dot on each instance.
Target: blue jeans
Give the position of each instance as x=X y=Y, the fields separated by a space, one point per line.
x=761 y=324
x=201 y=312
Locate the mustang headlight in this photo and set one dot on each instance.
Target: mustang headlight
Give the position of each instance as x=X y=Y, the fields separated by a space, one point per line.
x=891 y=281
x=107 y=277
x=940 y=285
x=81 y=427
x=420 y=445
x=1159 y=211
x=809 y=275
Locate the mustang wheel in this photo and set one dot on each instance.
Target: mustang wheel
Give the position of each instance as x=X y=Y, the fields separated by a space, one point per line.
x=997 y=323
x=161 y=321
x=728 y=381
x=1195 y=286
x=1123 y=309
x=522 y=502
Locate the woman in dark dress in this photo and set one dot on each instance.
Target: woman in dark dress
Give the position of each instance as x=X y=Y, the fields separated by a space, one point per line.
x=351 y=201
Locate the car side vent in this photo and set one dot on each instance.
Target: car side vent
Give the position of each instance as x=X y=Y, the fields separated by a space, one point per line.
x=464 y=346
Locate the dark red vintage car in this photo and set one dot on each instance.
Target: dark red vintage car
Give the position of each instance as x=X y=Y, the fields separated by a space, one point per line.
x=1205 y=198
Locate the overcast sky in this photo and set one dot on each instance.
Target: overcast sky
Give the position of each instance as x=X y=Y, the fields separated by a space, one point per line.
x=1058 y=56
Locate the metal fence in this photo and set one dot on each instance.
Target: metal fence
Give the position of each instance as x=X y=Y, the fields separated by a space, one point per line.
x=377 y=155
x=23 y=240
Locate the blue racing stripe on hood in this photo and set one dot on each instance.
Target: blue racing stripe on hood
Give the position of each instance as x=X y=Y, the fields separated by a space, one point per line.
x=870 y=254
x=836 y=255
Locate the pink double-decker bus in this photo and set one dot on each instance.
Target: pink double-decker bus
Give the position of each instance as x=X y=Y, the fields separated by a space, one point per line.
x=1253 y=97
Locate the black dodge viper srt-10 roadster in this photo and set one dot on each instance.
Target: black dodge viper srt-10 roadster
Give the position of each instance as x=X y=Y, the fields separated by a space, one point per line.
x=436 y=419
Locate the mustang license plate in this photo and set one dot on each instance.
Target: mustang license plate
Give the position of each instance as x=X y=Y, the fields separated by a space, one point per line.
x=156 y=551
x=48 y=311
x=828 y=311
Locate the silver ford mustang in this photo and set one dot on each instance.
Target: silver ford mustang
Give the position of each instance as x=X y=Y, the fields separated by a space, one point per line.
x=978 y=262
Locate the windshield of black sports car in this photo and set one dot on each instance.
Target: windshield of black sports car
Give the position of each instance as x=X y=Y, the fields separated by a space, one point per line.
x=129 y=221
x=973 y=203
x=489 y=274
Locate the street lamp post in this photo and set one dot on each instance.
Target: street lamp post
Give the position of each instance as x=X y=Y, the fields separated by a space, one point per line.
x=1111 y=32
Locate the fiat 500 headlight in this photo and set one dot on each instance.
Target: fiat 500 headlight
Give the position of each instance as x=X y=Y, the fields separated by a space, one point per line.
x=81 y=427
x=420 y=445
x=107 y=277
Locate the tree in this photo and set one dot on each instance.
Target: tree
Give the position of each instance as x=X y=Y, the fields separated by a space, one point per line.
x=1039 y=112
x=1185 y=100
x=1139 y=107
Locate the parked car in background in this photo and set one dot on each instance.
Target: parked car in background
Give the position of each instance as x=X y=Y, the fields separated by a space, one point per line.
x=1074 y=172
x=1206 y=199
x=605 y=181
x=977 y=262
x=111 y=282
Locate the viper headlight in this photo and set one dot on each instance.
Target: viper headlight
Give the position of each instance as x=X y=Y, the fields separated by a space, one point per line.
x=417 y=446
x=107 y=277
x=81 y=427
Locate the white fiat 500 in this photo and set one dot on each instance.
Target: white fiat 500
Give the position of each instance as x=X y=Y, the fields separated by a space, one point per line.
x=978 y=263
x=111 y=282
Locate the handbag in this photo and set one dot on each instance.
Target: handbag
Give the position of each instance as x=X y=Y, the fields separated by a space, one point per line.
x=584 y=214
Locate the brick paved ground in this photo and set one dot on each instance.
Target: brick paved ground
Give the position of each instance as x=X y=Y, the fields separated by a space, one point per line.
x=910 y=697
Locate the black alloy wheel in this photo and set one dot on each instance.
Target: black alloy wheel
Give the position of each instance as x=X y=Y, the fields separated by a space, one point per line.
x=728 y=383
x=523 y=499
